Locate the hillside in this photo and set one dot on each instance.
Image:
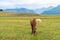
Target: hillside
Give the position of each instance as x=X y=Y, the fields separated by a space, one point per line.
x=16 y=14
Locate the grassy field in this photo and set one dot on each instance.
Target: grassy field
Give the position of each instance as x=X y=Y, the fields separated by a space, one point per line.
x=18 y=28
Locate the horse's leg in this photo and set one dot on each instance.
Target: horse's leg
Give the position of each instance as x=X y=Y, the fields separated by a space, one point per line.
x=32 y=27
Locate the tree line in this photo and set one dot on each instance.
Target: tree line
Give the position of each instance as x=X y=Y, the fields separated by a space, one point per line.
x=1 y=9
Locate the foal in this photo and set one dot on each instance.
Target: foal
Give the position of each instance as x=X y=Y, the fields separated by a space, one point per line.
x=33 y=25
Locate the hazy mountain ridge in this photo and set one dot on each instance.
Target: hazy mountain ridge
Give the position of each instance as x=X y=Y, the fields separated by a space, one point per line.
x=55 y=10
x=20 y=10
x=49 y=10
x=41 y=10
x=37 y=11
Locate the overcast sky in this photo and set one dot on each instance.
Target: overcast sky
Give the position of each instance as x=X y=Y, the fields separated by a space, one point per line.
x=31 y=4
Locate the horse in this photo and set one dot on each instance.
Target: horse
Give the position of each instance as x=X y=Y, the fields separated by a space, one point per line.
x=33 y=23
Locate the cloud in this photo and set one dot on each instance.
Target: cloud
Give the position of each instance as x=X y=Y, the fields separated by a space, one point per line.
x=28 y=3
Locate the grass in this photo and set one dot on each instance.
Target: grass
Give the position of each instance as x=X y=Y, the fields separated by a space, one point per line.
x=18 y=28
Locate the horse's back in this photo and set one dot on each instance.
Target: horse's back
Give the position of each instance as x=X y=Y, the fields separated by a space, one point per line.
x=33 y=21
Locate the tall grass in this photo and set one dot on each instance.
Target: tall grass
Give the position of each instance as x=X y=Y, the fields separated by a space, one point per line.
x=18 y=28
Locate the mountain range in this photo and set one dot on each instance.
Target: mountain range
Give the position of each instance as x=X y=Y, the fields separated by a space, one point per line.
x=41 y=10
x=55 y=10
x=20 y=10
x=49 y=10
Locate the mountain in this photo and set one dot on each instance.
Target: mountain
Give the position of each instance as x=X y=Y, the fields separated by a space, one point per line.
x=25 y=10
x=20 y=10
x=41 y=10
x=55 y=10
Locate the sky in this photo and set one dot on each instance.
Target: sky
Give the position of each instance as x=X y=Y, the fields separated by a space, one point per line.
x=30 y=4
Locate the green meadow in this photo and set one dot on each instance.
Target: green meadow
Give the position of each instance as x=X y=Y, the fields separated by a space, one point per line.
x=14 y=27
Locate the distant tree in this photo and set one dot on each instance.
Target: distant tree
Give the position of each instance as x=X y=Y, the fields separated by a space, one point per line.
x=1 y=9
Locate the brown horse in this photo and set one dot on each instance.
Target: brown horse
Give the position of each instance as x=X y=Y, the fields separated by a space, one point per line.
x=33 y=25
